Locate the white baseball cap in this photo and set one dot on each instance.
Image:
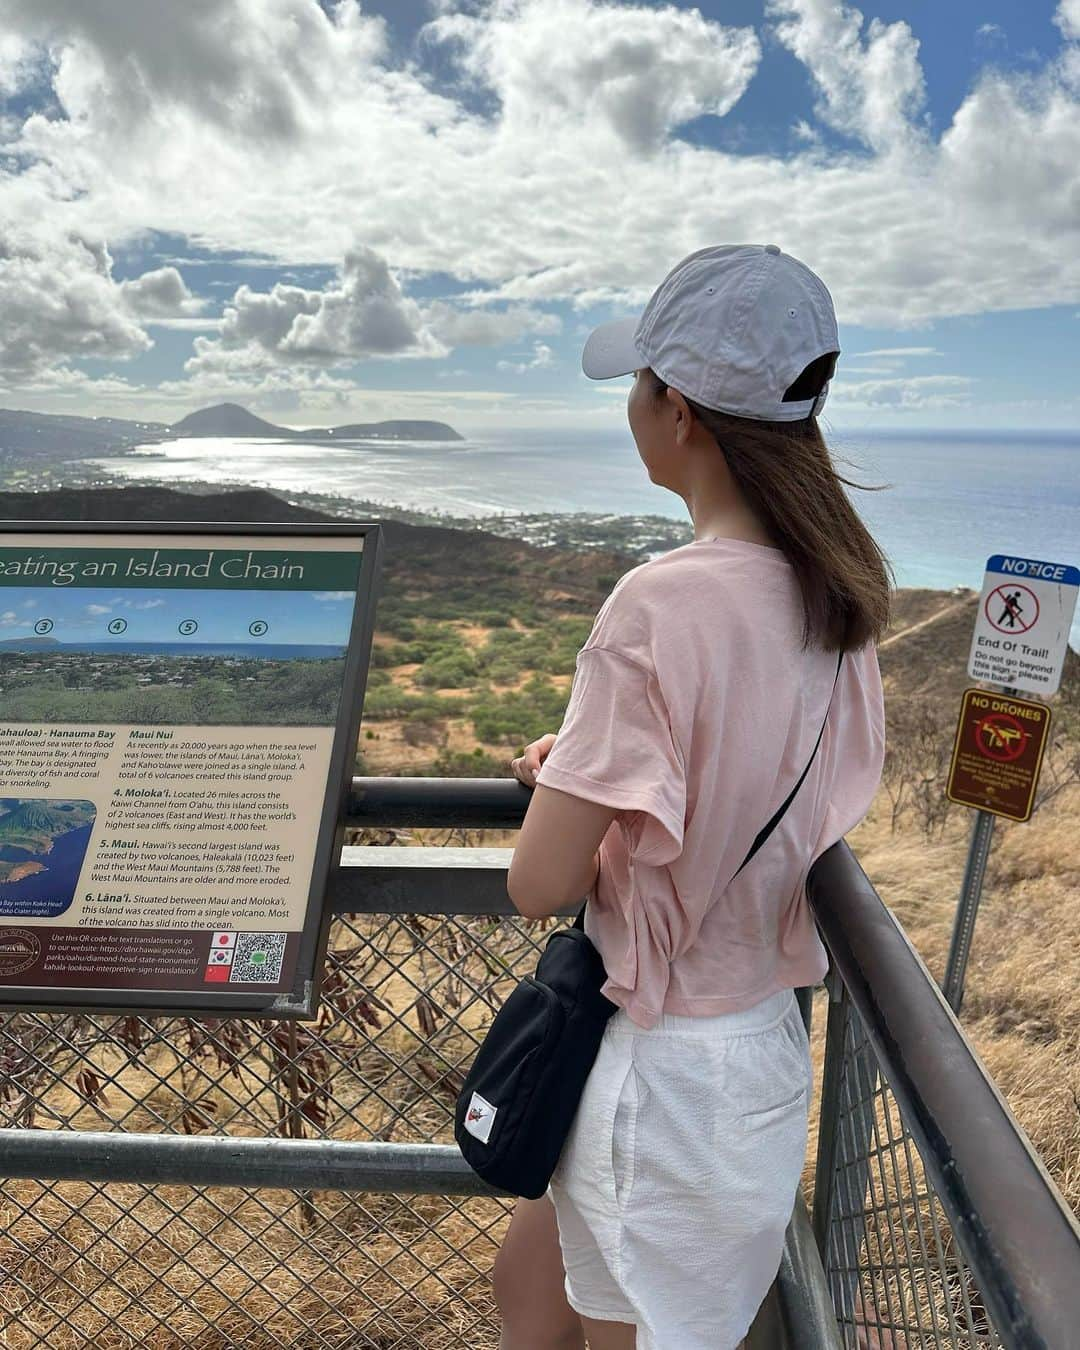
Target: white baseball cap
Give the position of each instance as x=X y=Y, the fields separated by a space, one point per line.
x=732 y=327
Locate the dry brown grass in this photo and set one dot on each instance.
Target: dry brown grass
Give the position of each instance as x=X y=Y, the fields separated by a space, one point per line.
x=1021 y=1005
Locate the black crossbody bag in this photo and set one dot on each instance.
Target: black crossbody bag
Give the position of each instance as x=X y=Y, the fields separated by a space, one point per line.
x=522 y=1092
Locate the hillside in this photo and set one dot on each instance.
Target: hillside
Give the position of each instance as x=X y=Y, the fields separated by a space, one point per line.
x=225 y=419
x=58 y=435
x=46 y=436
x=229 y=419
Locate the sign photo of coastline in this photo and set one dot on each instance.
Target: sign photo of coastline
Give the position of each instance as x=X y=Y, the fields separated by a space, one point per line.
x=173 y=656
x=42 y=846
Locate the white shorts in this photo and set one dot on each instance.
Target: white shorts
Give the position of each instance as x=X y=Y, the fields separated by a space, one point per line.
x=679 y=1175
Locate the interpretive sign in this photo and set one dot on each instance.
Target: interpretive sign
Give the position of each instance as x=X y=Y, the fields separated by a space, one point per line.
x=179 y=711
x=1022 y=628
x=997 y=753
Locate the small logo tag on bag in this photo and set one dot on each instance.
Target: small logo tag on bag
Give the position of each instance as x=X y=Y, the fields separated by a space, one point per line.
x=480 y=1117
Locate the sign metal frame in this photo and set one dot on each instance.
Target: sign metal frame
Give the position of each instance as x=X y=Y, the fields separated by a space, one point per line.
x=302 y=1001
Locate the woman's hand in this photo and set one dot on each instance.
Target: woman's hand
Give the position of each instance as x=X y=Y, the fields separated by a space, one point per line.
x=527 y=765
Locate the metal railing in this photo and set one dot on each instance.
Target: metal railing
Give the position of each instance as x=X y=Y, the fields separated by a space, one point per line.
x=199 y=1184
x=937 y=1220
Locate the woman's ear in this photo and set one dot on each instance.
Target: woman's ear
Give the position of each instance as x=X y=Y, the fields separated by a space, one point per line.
x=684 y=418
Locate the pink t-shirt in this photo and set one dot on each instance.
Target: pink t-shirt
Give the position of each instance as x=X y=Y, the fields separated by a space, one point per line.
x=693 y=710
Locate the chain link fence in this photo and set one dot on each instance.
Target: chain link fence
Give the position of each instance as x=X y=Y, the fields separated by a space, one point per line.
x=153 y=1258
x=897 y=1278
x=113 y=1265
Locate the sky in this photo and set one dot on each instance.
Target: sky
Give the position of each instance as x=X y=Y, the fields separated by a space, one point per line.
x=90 y=614
x=353 y=211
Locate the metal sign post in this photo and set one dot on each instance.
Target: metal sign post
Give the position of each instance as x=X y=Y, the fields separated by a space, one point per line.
x=1021 y=634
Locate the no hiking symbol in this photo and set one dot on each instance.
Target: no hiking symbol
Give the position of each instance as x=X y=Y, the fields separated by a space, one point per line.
x=1022 y=629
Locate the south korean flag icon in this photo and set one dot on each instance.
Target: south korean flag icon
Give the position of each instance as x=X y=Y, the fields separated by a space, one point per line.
x=222 y=947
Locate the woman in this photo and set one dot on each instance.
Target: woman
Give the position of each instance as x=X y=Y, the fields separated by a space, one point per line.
x=697 y=701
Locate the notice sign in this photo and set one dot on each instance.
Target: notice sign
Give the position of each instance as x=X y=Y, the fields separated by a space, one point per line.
x=179 y=710
x=997 y=753
x=1022 y=629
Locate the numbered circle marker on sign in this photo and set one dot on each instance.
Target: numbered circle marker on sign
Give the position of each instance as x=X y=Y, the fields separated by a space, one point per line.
x=1022 y=629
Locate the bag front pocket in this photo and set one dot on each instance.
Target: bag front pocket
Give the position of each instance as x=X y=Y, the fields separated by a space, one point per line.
x=504 y=1073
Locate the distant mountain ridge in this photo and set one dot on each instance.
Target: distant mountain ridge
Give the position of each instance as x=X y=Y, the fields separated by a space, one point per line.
x=230 y=419
x=34 y=434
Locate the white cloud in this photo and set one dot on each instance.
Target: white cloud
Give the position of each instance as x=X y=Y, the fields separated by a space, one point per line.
x=58 y=300
x=17 y=63
x=272 y=130
x=543 y=359
x=902 y=351
x=557 y=65
x=206 y=323
x=871 y=88
x=98 y=609
x=1067 y=18
x=487 y=327
x=918 y=391
x=162 y=293
x=220 y=60
x=363 y=314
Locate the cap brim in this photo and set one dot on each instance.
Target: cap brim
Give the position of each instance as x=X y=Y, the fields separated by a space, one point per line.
x=610 y=351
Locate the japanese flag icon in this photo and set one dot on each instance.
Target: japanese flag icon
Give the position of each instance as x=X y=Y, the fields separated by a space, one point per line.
x=220 y=940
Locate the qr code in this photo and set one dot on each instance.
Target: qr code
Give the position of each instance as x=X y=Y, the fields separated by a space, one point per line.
x=258 y=958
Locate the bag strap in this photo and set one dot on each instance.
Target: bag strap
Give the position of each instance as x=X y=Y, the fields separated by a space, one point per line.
x=764 y=833
x=767 y=829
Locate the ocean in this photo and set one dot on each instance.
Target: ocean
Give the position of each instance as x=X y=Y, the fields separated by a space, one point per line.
x=954 y=498
x=49 y=893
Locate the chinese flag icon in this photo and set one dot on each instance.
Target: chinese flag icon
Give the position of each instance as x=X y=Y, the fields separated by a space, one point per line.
x=216 y=973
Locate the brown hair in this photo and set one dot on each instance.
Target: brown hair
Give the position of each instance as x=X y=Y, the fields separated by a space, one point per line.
x=785 y=472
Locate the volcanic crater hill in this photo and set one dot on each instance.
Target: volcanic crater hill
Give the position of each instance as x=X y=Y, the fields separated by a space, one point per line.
x=923 y=657
x=230 y=419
